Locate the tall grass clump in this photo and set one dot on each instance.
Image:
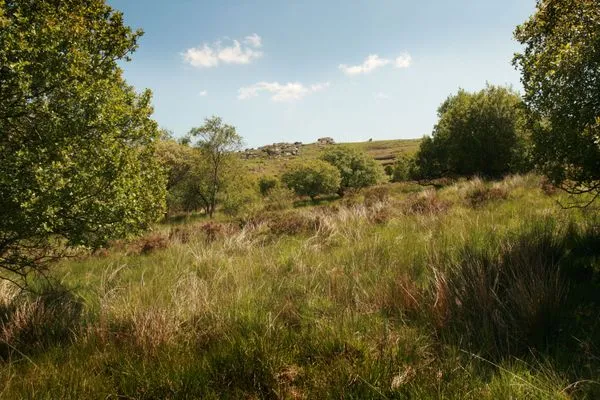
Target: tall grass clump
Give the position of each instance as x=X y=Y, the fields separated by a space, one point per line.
x=33 y=322
x=505 y=296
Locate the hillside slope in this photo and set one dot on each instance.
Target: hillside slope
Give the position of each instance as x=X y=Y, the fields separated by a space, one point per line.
x=385 y=151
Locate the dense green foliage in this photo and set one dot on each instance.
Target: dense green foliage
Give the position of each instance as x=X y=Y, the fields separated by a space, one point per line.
x=76 y=144
x=266 y=184
x=312 y=178
x=217 y=142
x=561 y=75
x=402 y=169
x=357 y=169
x=478 y=133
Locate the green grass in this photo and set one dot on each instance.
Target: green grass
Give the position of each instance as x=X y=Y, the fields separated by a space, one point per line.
x=344 y=300
x=383 y=150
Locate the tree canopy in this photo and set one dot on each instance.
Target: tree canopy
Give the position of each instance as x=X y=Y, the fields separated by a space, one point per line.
x=478 y=133
x=217 y=142
x=560 y=68
x=76 y=144
x=312 y=178
x=357 y=169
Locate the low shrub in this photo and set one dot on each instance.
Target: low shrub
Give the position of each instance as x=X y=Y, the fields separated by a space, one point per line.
x=266 y=184
x=152 y=243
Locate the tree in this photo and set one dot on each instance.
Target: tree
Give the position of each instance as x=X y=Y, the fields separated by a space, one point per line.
x=560 y=68
x=312 y=178
x=400 y=171
x=478 y=133
x=357 y=170
x=76 y=148
x=217 y=143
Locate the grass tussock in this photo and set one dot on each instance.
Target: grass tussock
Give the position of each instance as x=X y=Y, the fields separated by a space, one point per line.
x=506 y=298
x=427 y=202
x=34 y=322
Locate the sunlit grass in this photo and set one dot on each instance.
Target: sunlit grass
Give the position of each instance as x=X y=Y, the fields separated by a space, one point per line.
x=338 y=303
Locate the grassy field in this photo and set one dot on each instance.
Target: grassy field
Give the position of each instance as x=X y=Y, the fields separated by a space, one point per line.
x=382 y=150
x=476 y=291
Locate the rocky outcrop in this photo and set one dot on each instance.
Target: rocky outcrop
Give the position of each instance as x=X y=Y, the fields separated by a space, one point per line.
x=325 y=141
x=274 y=150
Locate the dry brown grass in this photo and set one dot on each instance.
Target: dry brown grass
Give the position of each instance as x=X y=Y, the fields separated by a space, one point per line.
x=481 y=195
x=426 y=203
x=33 y=322
x=547 y=187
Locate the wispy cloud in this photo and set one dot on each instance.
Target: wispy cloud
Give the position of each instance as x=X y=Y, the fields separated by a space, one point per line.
x=281 y=92
x=203 y=93
x=373 y=62
x=208 y=56
x=253 y=40
x=404 y=60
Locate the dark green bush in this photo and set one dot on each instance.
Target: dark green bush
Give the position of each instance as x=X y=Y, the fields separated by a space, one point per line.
x=312 y=178
x=480 y=133
x=266 y=184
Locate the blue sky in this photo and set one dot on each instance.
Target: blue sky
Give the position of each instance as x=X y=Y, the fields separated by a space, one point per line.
x=299 y=70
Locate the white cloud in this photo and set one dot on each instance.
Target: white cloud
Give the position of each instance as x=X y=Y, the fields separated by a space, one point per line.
x=203 y=93
x=373 y=62
x=404 y=60
x=206 y=56
x=253 y=40
x=201 y=57
x=280 y=92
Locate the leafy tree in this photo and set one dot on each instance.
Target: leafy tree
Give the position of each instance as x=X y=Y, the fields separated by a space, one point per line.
x=312 y=178
x=76 y=146
x=217 y=143
x=478 y=133
x=560 y=69
x=179 y=163
x=402 y=168
x=431 y=159
x=176 y=159
x=240 y=196
x=357 y=170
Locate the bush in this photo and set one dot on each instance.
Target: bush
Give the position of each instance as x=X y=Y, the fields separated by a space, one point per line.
x=357 y=170
x=240 y=196
x=401 y=170
x=479 y=133
x=266 y=184
x=312 y=178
